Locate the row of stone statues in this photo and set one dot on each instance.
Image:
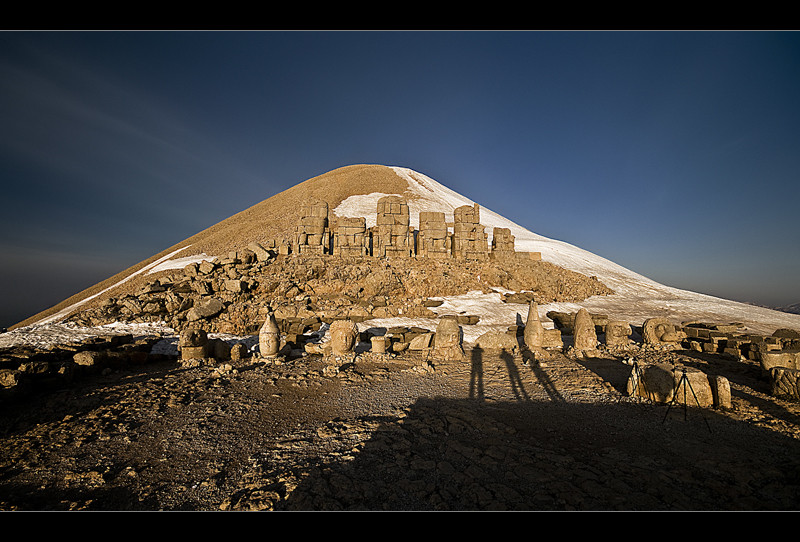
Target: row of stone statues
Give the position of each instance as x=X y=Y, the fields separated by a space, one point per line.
x=447 y=341
x=393 y=236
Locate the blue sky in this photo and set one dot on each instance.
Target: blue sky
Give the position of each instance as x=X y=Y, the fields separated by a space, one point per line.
x=672 y=153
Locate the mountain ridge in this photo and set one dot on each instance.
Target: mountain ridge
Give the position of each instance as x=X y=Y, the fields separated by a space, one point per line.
x=354 y=190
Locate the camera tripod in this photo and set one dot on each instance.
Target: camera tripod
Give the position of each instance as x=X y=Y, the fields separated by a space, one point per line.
x=686 y=384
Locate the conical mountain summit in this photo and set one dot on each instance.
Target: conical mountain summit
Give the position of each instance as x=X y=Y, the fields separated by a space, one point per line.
x=566 y=278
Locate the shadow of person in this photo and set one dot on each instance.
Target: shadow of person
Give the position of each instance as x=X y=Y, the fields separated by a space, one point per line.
x=544 y=380
x=476 y=374
x=514 y=377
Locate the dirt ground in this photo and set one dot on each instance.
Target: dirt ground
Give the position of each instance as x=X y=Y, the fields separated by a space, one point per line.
x=493 y=432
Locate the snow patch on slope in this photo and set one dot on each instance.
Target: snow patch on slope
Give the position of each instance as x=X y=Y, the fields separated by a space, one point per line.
x=180 y=263
x=636 y=297
x=364 y=205
x=60 y=315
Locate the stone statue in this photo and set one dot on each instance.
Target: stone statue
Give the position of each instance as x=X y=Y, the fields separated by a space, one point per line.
x=448 y=341
x=617 y=333
x=343 y=337
x=660 y=331
x=269 y=338
x=536 y=335
x=193 y=344
x=584 y=333
x=534 y=331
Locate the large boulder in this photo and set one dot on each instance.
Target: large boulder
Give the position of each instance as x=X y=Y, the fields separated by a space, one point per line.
x=193 y=344
x=90 y=358
x=497 y=340
x=784 y=382
x=205 y=308
x=261 y=254
x=422 y=341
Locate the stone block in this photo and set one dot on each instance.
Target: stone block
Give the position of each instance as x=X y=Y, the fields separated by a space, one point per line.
x=779 y=358
x=721 y=388
x=421 y=342
x=497 y=340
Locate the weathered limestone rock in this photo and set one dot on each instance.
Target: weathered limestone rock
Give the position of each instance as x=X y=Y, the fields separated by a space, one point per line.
x=206 y=267
x=433 y=240
x=565 y=321
x=234 y=285
x=205 y=308
x=585 y=337
x=659 y=331
x=312 y=235
x=448 y=341
x=378 y=344
x=343 y=337
x=721 y=388
x=89 y=358
x=269 y=338
x=469 y=237
x=351 y=238
x=497 y=340
x=261 y=253
x=617 y=333
x=653 y=381
x=786 y=333
x=785 y=382
x=238 y=352
x=421 y=342
x=694 y=389
x=502 y=244
x=218 y=349
x=392 y=235
x=788 y=359
x=193 y=344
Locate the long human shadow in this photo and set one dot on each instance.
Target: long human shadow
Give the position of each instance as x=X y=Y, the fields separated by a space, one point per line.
x=476 y=390
x=517 y=386
x=544 y=379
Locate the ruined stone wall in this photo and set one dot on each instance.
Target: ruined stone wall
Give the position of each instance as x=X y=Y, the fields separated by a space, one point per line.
x=351 y=237
x=392 y=235
x=433 y=239
x=312 y=235
x=502 y=244
x=469 y=237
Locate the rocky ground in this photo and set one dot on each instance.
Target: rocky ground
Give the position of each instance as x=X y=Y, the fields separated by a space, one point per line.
x=495 y=431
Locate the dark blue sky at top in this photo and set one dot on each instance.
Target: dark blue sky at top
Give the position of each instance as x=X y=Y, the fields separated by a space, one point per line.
x=674 y=154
